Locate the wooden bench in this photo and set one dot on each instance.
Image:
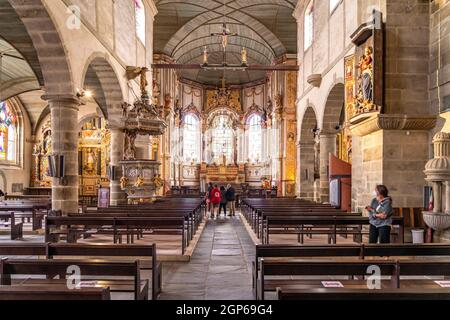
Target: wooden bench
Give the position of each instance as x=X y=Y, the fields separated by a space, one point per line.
x=358 y=251
x=76 y=227
x=104 y=252
x=327 y=225
x=395 y=269
x=363 y=294
x=51 y=293
x=103 y=271
x=8 y=220
x=319 y=268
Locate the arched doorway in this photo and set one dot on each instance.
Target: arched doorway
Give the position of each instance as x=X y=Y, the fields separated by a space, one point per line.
x=331 y=127
x=308 y=156
x=102 y=81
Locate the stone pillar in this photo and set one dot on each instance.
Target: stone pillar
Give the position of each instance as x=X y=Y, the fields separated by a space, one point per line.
x=306 y=169
x=327 y=147
x=117 y=196
x=64 y=120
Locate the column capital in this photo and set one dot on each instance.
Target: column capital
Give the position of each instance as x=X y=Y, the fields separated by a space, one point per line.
x=306 y=144
x=66 y=101
x=328 y=133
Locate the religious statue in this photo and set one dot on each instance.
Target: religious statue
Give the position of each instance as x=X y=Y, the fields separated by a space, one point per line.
x=130 y=148
x=205 y=56
x=90 y=162
x=123 y=182
x=156 y=92
x=139 y=182
x=158 y=181
x=125 y=108
x=134 y=72
x=365 y=81
x=244 y=57
x=278 y=105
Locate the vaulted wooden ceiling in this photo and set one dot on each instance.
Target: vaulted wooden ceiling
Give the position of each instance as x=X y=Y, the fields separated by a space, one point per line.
x=265 y=27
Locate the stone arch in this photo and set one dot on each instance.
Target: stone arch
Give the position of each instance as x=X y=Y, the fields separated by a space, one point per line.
x=330 y=128
x=333 y=107
x=28 y=26
x=308 y=169
x=100 y=78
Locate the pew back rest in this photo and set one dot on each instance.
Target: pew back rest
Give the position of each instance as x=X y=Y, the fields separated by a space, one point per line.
x=359 y=294
x=328 y=268
x=61 y=267
x=52 y=294
x=284 y=251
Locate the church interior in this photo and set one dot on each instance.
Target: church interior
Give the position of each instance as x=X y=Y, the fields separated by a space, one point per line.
x=224 y=149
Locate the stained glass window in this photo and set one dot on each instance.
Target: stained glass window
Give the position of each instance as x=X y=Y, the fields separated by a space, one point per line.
x=140 y=20
x=191 y=138
x=334 y=4
x=255 y=138
x=8 y=133
x=309 y=25
x=222 y=144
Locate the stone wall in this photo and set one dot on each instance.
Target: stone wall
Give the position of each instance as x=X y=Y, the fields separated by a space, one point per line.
x=392 y=157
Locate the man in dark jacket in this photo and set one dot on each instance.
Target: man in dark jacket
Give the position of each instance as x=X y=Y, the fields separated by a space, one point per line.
x=231 y=198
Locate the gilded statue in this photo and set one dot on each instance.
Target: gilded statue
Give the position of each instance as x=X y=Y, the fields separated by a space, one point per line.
x=123 y=182
x=365 y=81
x=158 y=181
x=139 y=182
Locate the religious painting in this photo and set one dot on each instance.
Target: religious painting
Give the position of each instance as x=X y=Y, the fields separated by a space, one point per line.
x=368 y=61
x=41 y=172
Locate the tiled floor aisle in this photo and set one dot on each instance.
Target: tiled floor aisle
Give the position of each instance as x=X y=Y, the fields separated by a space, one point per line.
x=220 y=268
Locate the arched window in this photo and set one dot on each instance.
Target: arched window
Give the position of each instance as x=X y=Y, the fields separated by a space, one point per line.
x=309 y=25
x=140 y=20
x=191 y=139
x=334 y=4
x=222 y=138
x=8 y=133
x=255 y=138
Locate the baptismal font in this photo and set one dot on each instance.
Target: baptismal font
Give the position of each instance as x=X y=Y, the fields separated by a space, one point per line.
x=141 y=179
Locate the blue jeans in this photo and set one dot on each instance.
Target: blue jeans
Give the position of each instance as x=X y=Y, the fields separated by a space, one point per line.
x=382 y=233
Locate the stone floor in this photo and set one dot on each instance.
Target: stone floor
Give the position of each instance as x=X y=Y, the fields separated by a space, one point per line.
x=220 y=268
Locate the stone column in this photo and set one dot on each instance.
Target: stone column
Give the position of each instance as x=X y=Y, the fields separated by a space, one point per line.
x=327 y=147
x=64 y=120
x=306 y=169
x=117 y=196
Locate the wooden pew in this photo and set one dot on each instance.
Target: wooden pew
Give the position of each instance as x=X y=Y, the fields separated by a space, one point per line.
x=331 y=226
x=325 y=268
x=51 y=293
x=115 y=226
x=9 y=220
x=320 y=268
x=363 y=294
x=94 y=270
x=87 y=251
x=358 y=251
x=34 y=212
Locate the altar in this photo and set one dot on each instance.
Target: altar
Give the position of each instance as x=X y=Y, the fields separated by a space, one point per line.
x=226 y=174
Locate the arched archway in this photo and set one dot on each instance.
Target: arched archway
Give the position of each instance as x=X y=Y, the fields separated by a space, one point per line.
x=308 y=169
x=30 y=29
x=101 y=79
x=41 y=47
x=331 y=126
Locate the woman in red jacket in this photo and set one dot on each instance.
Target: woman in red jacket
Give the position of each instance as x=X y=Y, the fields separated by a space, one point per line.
x=216 y=198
